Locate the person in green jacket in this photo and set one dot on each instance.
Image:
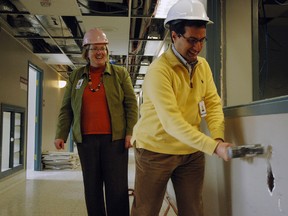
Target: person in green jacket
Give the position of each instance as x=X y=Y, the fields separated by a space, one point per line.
x=178 y=92
x=100 y=105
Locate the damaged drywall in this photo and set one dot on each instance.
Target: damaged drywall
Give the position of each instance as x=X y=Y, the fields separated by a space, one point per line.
x=259 y=184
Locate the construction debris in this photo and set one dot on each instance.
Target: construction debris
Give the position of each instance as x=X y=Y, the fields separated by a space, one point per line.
x=60 y=160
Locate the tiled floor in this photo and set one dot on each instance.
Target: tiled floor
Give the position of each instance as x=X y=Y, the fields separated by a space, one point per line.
x=54 y=193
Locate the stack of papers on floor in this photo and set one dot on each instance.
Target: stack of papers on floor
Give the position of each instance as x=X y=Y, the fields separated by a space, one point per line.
x=60 y=160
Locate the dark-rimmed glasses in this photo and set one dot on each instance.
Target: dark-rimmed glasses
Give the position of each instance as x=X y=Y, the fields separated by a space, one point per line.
x=193 y=41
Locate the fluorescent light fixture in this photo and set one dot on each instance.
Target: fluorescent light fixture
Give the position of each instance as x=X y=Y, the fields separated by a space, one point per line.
x=143 y=69
x=163 y=8
x=140 y=77
x=154 y=35
x=55 y=59
x=145 y=62
x=139 y=82
x=137 y=87
x=151 y=48
x=137 y=90
x=61 y=83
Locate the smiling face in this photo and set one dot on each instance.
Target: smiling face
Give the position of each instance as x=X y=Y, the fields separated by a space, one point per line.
x=190 y=43
x=98 y=55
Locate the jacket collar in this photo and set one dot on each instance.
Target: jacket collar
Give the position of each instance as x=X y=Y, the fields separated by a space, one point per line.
x=85 y=70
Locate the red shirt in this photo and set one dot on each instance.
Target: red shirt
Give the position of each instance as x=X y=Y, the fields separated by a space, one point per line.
x=95 y=112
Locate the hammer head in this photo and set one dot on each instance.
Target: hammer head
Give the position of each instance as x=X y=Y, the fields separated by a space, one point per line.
x=245 y=151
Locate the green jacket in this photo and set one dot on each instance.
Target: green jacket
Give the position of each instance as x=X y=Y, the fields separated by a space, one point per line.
x=120 y=97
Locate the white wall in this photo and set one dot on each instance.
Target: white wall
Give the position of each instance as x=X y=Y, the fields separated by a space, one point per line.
x=249 y=193
x=52 y=99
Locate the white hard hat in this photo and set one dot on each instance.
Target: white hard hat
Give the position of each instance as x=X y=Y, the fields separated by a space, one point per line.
x=187 y=10
x=95 y=36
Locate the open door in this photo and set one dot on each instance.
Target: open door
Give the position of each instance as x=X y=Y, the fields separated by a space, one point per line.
x=34 y=137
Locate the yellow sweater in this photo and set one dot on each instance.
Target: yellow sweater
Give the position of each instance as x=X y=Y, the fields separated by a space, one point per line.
x=170 y=116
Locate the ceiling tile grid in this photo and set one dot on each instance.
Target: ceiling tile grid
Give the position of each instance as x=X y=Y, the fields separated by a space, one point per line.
x=53 y=30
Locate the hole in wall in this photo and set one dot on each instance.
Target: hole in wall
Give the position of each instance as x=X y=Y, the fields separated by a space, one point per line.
x=270 y=178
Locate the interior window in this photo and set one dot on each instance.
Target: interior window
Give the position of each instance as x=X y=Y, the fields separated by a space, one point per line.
x=12 y=139
x=273 y=49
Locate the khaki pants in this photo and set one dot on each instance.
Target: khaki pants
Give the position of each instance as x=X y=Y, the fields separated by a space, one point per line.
x=153 y=170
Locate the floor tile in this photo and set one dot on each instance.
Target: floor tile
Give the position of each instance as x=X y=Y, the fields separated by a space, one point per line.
x=57 y=193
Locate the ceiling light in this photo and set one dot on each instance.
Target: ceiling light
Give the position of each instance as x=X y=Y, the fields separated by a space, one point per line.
x=139 y=82
x=143 y=69
x=54 y=59
x=151 y=48
x=163 y=8
x=154 y=35
x=61 y=83
x=145 y=62
x=137 y=90
x=140 y=77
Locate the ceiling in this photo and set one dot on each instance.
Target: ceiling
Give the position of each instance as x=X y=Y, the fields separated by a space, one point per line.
x=53 y=30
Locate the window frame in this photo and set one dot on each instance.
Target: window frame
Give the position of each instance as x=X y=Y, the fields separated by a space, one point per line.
x=13 y=110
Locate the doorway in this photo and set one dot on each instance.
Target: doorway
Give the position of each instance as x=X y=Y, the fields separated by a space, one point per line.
x=34 y=126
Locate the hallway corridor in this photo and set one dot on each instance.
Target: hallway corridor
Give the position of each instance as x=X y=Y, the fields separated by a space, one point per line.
x=45 y=193
x=54 y=193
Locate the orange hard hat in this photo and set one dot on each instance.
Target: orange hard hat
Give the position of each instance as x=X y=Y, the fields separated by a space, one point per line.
x=95 y=36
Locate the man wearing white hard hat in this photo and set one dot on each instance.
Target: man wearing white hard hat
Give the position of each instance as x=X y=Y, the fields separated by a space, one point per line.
x=178 y=93
x=100 y=105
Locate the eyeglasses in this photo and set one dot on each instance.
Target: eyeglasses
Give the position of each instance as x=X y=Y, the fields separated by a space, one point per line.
x=193 y=41
x=102 y=49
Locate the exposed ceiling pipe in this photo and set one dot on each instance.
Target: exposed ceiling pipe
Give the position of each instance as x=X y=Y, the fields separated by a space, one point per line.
x=134 y=59
x=143 y=29
x=131 y=4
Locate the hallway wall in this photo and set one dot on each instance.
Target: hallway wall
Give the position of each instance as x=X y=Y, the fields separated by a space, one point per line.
x=14 y=58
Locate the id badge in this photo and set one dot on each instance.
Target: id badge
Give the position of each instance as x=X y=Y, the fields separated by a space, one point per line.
x=79 y=84
x=202 y=109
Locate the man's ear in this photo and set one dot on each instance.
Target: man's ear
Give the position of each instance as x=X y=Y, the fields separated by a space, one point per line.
x=174 y=35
